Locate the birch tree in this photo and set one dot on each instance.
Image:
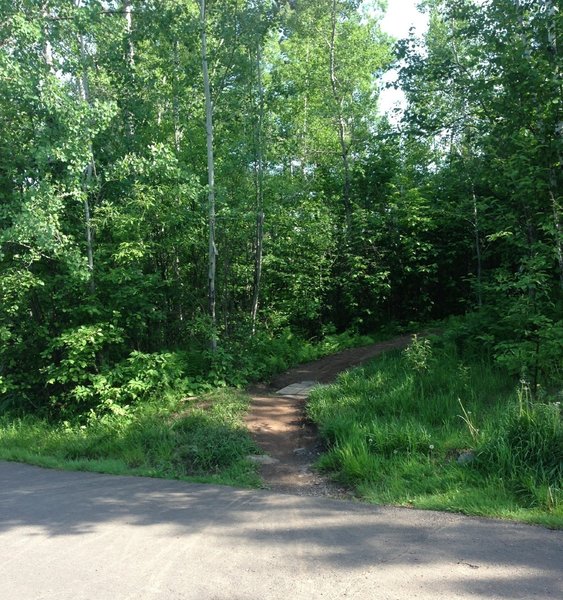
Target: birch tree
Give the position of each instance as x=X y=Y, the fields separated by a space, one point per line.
x=83 y=85
x=212 y=254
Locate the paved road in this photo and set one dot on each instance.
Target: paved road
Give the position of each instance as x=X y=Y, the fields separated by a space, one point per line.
x=87 y=536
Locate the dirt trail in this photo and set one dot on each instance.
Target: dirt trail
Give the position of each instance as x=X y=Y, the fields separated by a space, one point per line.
x=290 y=441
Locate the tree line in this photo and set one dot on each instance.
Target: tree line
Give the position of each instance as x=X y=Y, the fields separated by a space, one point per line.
x=186 y=175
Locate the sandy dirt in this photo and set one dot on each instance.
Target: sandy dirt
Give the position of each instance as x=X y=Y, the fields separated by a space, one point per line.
x=288 y=438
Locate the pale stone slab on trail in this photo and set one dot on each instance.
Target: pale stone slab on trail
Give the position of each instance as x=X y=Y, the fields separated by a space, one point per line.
x=303 y=389
x=262 y=459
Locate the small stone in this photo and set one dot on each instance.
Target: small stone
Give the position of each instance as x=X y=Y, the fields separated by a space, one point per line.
x=262 y=459
x=465 y=458
x=299 y=450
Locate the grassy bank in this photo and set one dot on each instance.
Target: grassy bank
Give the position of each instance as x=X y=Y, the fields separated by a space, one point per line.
x=171 y=415
x=425 y=428
x=204 y=441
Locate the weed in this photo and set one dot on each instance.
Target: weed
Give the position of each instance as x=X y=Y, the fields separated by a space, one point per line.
x=395 y=431
x=418 y=354
x=201 y=445
x=467 y=419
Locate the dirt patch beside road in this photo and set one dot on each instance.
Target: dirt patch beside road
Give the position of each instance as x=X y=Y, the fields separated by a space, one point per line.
x=280 y=427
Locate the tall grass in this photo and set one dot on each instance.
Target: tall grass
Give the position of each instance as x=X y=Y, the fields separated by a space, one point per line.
x=199 y=442
x=426 y=428
x=525 y=448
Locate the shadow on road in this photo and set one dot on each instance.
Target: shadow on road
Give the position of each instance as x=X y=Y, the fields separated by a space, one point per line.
x=437 y=551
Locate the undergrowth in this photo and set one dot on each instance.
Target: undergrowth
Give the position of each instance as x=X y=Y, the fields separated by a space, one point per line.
x=426 y=428
x=204 y=441
x=129 y=418
x=75 y=382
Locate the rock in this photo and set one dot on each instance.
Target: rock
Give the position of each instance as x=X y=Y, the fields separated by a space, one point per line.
x=262 y=459
x=299 y=450
x=465 y=458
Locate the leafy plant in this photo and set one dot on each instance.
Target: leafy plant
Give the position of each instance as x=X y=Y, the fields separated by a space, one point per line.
x=419 y=354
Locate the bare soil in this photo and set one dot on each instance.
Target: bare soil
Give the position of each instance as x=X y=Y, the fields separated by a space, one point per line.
x=281 y=429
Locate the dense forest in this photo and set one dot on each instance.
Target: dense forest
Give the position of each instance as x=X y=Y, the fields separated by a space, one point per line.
x=182 y=181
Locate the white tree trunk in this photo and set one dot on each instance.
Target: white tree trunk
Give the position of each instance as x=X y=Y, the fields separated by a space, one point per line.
x=128 y=13
x=344 y=145
x=259 y=174
x=212 y=260
x=84 y=88
x=176 y=100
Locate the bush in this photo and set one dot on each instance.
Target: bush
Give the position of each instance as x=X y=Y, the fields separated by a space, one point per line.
x=210 y=447
x=81 y=378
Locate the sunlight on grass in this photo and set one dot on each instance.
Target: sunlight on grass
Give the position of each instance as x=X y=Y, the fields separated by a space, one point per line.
x=396 y=429
x=177 y=440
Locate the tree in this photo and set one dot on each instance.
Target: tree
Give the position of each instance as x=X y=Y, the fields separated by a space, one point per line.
x=485 y=94
x=210 y=174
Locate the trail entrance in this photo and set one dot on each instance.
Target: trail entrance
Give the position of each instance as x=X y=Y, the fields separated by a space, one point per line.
x=278 y=423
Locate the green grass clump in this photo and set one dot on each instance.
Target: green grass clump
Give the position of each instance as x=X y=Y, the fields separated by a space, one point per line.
x=204 y=442
x=396 y=427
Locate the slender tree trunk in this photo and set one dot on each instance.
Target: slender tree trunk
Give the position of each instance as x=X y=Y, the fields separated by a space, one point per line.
x=558 y=233
x=128 y=12
x=304 y=147
x=212 y=260
x=177 y=141
x=344 y=146
x=176 y=100
x=47 y=48
x=259 y=162
x=477 y=233
x=89 y=232
x=130 y=58
x=84 y=87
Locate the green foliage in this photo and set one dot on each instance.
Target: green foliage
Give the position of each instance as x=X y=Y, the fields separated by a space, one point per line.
x=395 y=432
x=138 y=378
x=78 y=352
x=534 y=352
x=259 y=357
x=162 y=438
x=527 y=344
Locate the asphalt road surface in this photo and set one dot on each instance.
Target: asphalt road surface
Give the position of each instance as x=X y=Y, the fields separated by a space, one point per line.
x=86 y=536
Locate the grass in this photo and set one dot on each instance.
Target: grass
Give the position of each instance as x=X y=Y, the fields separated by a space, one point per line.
x=204 y=442
x=140 y=427
x=395 y=429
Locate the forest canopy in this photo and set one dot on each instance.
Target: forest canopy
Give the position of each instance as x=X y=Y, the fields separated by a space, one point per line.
x=182 y=180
